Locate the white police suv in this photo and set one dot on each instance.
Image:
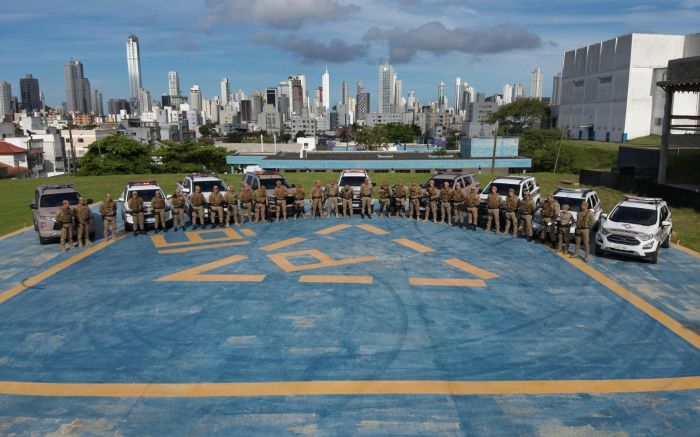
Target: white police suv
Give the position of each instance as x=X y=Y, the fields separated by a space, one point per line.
x=147 y=190
x=637 y=227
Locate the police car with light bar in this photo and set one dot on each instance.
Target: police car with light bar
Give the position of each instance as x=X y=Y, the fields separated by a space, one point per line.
x=146 y=190
x=636 y=227
x=206 y=183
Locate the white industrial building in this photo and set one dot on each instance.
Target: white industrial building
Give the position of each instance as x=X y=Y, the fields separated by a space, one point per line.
x=608 y=89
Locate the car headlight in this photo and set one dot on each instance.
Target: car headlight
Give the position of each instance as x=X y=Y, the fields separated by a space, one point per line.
x=48 y=218
x=604 y=231
x=646 y=237
x=648 y=246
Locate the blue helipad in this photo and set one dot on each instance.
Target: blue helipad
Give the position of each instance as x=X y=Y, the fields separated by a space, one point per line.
x=344 y=327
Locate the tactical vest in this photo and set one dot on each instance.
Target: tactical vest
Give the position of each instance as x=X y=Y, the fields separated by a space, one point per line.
x=547 y=209
x=66 y=216
x=493 y=201
x=158 y=203
x=445 y=195
x=583 y=220
x=348 y=193
x=197 y=199
x=511 y=204
x=178 y=202
x=400 y=191
x=527 y=207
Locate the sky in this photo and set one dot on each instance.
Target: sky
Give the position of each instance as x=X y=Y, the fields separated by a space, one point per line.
x=258 y=43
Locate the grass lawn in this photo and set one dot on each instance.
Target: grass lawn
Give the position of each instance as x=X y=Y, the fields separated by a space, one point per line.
x=16 y=213
x=649 y=140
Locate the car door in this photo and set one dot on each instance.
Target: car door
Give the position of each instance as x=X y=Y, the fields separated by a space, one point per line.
x=664 y=215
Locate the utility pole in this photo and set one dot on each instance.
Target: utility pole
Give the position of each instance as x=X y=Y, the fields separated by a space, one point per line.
x=72 y=152
x=495 y=143
x=556 y=162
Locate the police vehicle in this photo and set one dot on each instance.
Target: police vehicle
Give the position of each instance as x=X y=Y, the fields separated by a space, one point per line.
x=206 y=183
x=519 y=183
x=147 y=190
x=354 y=178
x=268 y=179
x=467 y=180
x=572 y=197
x=47 y=200
x=636 y=227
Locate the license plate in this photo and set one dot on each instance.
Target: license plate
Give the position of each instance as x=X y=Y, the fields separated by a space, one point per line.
x=620 y=247
x=150 y=220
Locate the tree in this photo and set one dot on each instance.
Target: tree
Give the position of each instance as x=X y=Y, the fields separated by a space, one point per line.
x=542 y=145
x=208 y=130
x=371 y=138
x=299 y=134
x=115 y=155
x=452 y=142
x=193 y=156
x=520 y=114
x=403 y=133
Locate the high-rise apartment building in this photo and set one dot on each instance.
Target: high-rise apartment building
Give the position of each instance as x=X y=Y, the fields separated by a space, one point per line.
x=518 y=91
x=345 y=93
x=296 y=87
x=507 y=94
x=173 y=84
x=458 y=93
x=325 y=90
x=133 y=63
x=5 y=99
x=30 y=93
x=87 y=96
x=97 y=103
x=75 y=86
x=556 y=90
x=537 y=80
x=144 y=101
x=442 y=99
x=195 y=100
x=386 y=88
x=397 y=104
x=225 y=91
x=117 y=105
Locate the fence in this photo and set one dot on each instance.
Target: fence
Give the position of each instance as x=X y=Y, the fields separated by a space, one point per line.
x=675 y=196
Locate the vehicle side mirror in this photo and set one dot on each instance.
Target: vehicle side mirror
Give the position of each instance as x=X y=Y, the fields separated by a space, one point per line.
x=185 y=190
x=33 y=206
x=121 y=199
x=666 y=223
x=89 y=201
x=169 y=196
x=603 y=216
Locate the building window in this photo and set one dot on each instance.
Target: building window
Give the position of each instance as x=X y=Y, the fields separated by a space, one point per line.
x=606 y=79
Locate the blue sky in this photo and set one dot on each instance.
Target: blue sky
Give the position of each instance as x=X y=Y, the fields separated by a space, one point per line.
x=256 y=43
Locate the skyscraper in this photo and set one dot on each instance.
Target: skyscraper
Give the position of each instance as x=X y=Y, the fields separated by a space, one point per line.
x=296 y=88
x=144 y=101
x=326 y=90
x=133 y=62
x=411 y=101
x=507 y=93
x=75 y=86
x=345 y=93
x=225 y=91
x=173 y=84
x=31 y=95
x=518 y=91
x=458 y=93
x=397 y=105
x=87 y=96
x=195 y=100
x=442 y=100
x=556 y=90
x=386 y=88
x=536 y=88
x=97 y=103
x=5 y=99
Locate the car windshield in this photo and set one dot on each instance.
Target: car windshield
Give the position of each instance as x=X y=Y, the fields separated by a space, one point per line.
x=146 y=195
x=208 y=186
x=439 y=182
x=574 y=204
x=271 y=183
x=56 y=199
x=503 y=189
x=353 y=181
x=635 y=216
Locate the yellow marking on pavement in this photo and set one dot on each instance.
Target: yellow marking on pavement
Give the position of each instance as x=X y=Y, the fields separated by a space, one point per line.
x=202 y=247
x=413 y=245
x=32 y=281
x=687 y=250
x=195 y=237
x=646 y=307
x=349 y=388
x=195 y=274
x=336 y=279
x=282 y=260
x=248 y=232
x=373 y=229
x=447 y=282
x=474 y=270
x=283 y=243
x=333 y=229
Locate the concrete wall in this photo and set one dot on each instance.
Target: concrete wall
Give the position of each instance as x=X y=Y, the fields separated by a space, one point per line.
x=483 y=147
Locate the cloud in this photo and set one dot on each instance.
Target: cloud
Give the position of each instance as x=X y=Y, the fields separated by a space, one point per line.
x=286 y=14
x=336 y=51
x=435 y=38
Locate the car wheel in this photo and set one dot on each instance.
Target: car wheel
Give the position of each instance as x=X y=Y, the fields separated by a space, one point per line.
x=654 y=257
x=44 y=241
x=667 y=242
x=92 y=236
x=598 y=251
x=128 y=227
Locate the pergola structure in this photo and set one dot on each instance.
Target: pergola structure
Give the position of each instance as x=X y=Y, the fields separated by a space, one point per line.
x=683 y=76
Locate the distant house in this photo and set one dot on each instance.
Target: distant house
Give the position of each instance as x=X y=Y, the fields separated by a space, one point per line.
x=13 y=161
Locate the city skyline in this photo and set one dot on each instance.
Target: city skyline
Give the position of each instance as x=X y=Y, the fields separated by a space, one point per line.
x=274 y=43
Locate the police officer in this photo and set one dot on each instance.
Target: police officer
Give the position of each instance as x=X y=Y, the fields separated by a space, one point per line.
x=366 y=199
x=527 y=209
x=548 y=216
x=473 y=201
x=493 y=205
x=260 y=204
x=332 y=198
x=317 y=200
x=246 y=196
x=511 y=212
x=400 y=199
x=458 y=195
x=197 y=203
x=158 y=205
x=414 y=194
x=564 y=222
x=445 y=207
x=231 y=199
x=178 y=201
x=65 y=217
x=431 y=205
x=83 y=215
x=136 y=207
x=299 y=196
x=280 y=201
x=108 y=211
x=584 y=221
x=347 y=194
x=384 y=199
x=216 y=210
